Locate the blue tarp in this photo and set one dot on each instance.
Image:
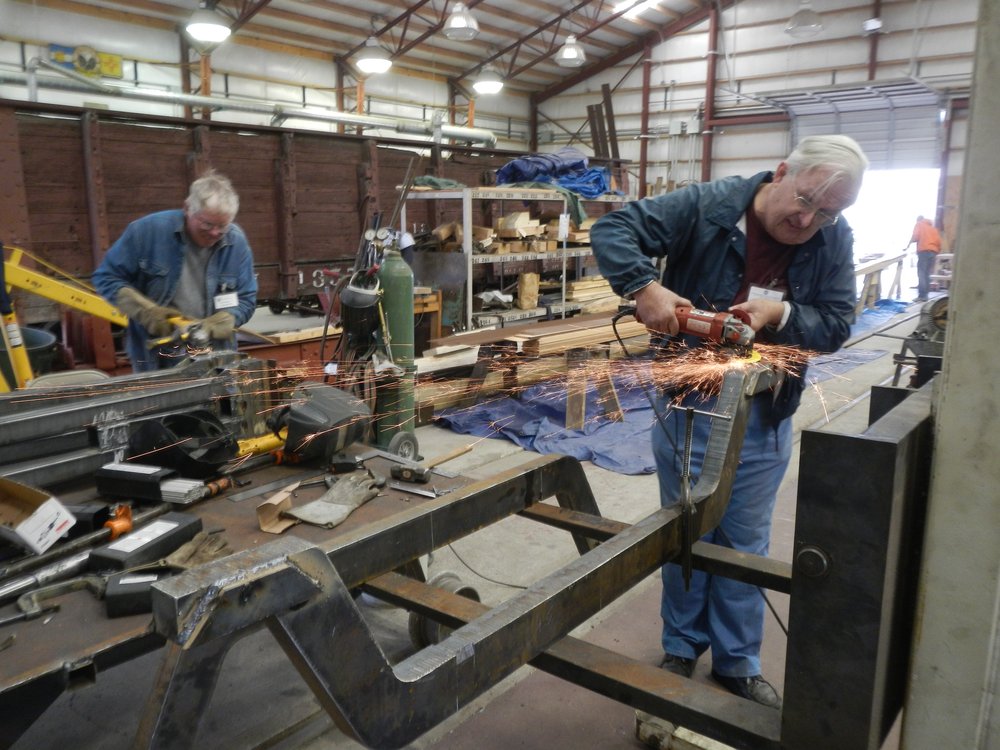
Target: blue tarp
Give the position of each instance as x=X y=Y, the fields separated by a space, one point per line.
x=536 y=418
x=873 y=318
x=543 y=167
x=567 y=168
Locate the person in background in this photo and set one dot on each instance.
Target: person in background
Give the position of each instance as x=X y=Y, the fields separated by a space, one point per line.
x=192 y=262
x=776 y=246
x=928 y=240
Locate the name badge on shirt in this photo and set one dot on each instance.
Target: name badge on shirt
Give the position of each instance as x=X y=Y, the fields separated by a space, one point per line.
x=227 y=299
x=760 y=292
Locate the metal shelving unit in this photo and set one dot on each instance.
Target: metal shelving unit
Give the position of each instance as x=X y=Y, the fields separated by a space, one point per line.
x=467 y=196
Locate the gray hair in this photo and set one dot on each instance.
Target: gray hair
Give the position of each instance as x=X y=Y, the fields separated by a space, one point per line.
x=840 y=154
x=215 y=193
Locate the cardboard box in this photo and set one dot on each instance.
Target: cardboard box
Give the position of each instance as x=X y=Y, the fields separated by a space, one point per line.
x=31 y=518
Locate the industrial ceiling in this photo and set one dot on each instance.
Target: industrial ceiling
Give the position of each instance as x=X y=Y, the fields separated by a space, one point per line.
x=519 y=38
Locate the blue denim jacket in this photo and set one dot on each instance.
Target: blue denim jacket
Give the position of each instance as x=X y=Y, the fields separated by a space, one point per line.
x=695 y=229
x=149 y=257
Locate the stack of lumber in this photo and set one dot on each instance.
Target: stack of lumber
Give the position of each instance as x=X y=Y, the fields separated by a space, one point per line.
x=594 y=294
x=583 y=290
x=518 y=225
x=579 y=234
x=435 y=392
x=574 y=335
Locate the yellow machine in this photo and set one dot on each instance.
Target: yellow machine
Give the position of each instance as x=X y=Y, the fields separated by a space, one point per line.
x=66 y=291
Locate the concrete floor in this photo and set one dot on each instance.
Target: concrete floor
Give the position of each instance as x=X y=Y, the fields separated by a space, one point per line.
x=261 y=702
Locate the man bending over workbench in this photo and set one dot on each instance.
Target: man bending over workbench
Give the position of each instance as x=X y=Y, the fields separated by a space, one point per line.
x=179 y=272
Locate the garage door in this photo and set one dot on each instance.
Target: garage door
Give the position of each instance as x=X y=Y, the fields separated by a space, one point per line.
x=897 y=123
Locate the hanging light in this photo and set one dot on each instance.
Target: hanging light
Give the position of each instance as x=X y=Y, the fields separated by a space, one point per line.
x=488 y=81
x=571 y=54
x=805 y=23
x=206 y=25
x=373 y=58
x=461 y=25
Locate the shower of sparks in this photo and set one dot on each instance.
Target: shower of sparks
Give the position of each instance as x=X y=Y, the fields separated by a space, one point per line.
x=822 y=399
x=679 y=371
x=703 y=369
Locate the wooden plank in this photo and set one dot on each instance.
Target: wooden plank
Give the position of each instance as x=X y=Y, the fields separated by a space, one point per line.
x=576 y=388
x=285 y=337
x=487 y=337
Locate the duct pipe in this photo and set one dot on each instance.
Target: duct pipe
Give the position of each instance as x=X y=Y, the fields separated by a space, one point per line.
x=80 y=83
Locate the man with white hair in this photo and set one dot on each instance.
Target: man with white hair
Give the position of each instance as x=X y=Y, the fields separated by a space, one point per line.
x=192 y=262
x=775 y=246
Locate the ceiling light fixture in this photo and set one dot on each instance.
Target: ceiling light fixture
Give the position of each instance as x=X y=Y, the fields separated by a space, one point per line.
x=205 y=25
x=805 y=23
x=488 y=81
x=461 y=25
x=571 y=54
x=373 y=59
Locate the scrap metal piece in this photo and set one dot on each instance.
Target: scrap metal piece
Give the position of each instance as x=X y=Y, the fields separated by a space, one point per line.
x=429 y=491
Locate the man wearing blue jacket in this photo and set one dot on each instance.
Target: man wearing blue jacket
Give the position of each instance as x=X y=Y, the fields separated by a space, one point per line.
x=776 y=246
x=192 y=262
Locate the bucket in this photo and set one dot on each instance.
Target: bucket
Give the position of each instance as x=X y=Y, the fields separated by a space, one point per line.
x=41 y=348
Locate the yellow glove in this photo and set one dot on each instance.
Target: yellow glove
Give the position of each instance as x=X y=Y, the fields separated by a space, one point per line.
x=151 y=316
x=219 y=326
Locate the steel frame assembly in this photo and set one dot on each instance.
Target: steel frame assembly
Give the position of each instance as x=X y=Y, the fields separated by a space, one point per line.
x=303 y=593
x=846 y=660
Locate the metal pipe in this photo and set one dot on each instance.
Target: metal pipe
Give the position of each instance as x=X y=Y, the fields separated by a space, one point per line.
x=77 y=82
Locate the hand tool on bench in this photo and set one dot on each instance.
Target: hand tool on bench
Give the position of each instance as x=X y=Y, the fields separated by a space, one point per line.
x=421 y=473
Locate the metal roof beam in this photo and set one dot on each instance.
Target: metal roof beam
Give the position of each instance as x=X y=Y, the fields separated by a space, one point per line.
x=656 y=37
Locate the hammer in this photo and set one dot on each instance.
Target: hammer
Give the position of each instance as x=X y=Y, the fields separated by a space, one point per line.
x=422 y=472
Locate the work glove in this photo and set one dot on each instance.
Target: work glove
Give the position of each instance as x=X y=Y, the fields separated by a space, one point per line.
x=151 y=316
x=204 y=547
x=348 y=494
x=219 y=326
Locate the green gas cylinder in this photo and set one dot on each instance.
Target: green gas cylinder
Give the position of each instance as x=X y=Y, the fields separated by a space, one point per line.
x=394 y=394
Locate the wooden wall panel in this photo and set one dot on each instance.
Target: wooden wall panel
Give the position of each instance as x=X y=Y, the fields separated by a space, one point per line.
x=145 y=170
x=52 y=159
x=326 y=224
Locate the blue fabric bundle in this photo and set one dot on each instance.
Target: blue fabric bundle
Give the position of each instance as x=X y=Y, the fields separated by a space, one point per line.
x=543 y=167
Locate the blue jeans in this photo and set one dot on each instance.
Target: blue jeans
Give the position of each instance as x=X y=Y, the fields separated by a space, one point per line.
x=925 y=267
x=719 y=613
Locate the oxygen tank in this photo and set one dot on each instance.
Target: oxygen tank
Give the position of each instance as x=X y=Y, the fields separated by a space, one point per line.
x=394 y=399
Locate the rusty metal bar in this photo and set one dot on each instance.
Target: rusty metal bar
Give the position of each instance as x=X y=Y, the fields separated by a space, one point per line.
x=695 y=706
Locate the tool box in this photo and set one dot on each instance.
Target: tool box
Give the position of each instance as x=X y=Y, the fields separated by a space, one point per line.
x=131 y=481
x=131 y=593
x=154 y=541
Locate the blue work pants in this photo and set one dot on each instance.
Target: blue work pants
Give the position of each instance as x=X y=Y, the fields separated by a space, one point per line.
x=719 y=613
x=925 y=267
